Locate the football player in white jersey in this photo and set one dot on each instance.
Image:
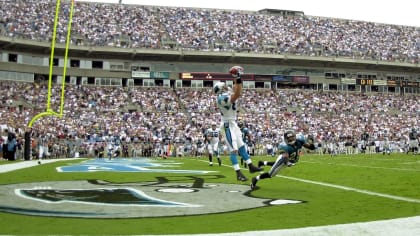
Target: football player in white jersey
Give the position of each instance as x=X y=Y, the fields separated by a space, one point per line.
x=212 y=136
x=226 y=102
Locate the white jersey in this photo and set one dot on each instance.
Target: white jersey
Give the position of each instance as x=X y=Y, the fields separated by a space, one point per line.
x=227 y=108
x=212 y=135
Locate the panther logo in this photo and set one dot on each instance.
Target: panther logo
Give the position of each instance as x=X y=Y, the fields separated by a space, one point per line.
x=179 y=192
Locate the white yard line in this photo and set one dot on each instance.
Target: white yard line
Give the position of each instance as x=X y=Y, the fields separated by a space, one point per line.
x=406 y=199
x=371 y=167
x=409 y=226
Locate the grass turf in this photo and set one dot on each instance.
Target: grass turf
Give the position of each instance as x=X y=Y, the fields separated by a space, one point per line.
x=395 y=175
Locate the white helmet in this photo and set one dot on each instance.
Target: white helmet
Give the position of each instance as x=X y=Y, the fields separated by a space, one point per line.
x=219 y=87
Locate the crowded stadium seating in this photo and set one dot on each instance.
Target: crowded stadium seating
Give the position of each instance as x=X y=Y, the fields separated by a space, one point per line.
x=173 y=28
x=144 y=116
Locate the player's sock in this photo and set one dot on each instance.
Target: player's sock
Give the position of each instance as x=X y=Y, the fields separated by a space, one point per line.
x=263 y=176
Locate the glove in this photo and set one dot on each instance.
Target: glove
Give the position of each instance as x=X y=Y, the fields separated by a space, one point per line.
x=236 y=71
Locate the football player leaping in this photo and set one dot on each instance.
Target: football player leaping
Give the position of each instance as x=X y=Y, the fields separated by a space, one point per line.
x=289 y=155
x=226 y=102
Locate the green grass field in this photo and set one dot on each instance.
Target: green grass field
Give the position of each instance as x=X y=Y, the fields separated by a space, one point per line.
x=334 y=190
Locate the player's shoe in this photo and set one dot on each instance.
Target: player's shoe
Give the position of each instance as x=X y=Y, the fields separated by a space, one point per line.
x=253 y=183
x=260 y=163
x=253 y=168
x=240 y=176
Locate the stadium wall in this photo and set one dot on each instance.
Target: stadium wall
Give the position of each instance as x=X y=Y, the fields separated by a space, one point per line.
x=87 y=64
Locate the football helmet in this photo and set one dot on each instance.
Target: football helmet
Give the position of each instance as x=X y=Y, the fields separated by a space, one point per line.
x=240 y=124
x=290 y=137
x=219 y=87
x=236 y=71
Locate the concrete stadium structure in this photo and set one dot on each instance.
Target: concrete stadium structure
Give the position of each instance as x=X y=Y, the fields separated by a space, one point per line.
x=27 y=60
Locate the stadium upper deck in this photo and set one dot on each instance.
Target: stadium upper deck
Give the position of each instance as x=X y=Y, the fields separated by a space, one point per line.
x=134 y=26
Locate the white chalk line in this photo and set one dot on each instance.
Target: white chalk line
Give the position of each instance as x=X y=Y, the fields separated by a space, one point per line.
x=362 y=166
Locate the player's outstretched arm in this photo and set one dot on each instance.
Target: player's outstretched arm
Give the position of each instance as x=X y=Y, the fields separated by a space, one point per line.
x=236 y=72
x=309 y=144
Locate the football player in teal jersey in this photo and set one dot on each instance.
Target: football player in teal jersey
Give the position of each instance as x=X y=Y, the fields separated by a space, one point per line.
x=246 y=137
x=289 y=155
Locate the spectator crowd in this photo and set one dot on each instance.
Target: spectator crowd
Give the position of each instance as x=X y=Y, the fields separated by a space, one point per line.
x=139 y=121
x=174 y=28
x=160 y=118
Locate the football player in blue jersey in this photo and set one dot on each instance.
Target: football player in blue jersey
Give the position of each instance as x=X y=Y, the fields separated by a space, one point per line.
x=289 y=155
x=226 y=102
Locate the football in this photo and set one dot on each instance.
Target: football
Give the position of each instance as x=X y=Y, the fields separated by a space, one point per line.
x=236 y=71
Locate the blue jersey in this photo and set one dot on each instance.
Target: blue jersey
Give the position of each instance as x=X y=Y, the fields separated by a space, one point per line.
x=293 y=150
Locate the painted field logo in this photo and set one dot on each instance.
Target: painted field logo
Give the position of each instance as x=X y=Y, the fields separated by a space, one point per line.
x=187 y=194
x=97 y=199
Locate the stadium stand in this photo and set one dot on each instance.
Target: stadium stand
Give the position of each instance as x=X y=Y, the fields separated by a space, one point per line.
x=136 y=26
x=105 y=102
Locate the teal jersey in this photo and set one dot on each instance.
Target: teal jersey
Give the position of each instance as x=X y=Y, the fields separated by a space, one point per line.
x=245 y=132
x=293 y=150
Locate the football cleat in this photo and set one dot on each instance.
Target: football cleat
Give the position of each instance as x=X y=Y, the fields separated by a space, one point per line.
x=260 y=163
x=253 y=168
x=254 y=183
x=240 y=176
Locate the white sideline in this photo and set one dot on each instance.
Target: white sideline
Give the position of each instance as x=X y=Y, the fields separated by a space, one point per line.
x=403 y=226
x=25 y=164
